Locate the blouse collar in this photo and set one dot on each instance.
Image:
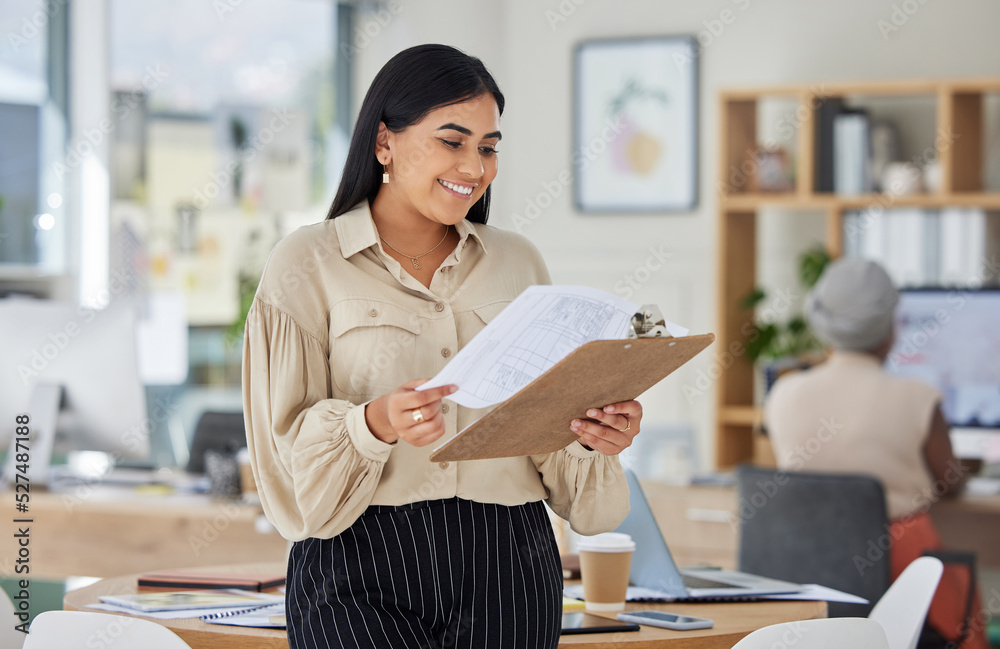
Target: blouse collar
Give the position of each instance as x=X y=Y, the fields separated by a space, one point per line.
x=356 y=231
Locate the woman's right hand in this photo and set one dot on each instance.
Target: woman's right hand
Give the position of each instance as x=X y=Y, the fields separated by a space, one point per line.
x=408 y=414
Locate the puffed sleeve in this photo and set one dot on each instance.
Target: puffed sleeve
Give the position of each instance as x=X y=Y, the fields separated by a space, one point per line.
x=315 y=462
x=585 y=487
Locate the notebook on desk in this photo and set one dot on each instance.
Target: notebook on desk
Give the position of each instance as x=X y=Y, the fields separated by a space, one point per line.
x=655 y=575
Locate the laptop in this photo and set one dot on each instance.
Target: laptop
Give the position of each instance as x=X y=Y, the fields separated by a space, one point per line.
x=654 y=575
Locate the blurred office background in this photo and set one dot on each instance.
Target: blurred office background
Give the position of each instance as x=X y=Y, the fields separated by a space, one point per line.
x=157 y=149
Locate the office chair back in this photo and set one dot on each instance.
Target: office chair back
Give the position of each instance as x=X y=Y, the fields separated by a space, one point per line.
x=81 y=630
x=811 y=528
x=831 y=633
x=903 y=608
x=217 y=431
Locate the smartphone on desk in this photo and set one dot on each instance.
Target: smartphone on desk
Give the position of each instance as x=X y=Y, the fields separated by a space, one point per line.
x=587 y=623
x=666 y=620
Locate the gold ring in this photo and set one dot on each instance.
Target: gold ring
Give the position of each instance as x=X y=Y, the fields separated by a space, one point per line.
x=628 y=424
x=418 y=416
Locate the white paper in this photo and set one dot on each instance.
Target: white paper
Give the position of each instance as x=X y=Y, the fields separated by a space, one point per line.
x=537 y=330
x=808 y=592
x=821 y=593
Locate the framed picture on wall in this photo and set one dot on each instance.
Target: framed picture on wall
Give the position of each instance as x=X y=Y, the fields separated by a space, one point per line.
x=635 y=131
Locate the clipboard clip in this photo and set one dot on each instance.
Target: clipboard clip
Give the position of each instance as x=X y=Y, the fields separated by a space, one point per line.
x=648 y=322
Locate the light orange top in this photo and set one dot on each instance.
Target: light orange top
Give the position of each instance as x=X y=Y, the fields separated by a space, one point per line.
x=337 y=322
x=848 y=415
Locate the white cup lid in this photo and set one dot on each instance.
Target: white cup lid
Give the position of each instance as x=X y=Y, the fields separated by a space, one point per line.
x=607 y=542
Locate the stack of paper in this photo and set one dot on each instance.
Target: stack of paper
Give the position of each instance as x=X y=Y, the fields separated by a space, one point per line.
x=190 y=604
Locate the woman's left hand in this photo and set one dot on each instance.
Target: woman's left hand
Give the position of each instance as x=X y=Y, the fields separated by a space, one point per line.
x=612 y=429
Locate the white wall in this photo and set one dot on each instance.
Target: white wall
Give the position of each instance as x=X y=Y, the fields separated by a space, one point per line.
x=766 y=42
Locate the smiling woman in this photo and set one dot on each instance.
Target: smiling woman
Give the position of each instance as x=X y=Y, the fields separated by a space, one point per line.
x=392 y=550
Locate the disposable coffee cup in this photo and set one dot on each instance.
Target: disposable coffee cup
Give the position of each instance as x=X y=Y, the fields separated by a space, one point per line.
x=247 y=486
x=605 y=560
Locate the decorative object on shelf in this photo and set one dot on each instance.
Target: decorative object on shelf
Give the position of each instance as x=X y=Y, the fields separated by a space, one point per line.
x=932 y=177
x=851 y=153
x=635 y=132
x=772 y=170
x=902 y=179
x=884 y=148
x=773 y=340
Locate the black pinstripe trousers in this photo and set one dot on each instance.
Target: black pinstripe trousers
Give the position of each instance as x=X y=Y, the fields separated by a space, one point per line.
x=438 y=574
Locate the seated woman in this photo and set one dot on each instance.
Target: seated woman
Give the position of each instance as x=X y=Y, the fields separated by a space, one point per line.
x=867 y=421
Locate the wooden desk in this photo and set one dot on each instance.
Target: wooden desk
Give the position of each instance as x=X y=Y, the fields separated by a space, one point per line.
x=732 y=621
x=971 y=522
x=104 y=531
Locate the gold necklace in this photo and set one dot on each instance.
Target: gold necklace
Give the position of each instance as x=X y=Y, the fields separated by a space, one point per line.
x=415 y=260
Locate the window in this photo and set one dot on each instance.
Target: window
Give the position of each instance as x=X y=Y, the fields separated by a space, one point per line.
x=225 y=139
x=32 y=133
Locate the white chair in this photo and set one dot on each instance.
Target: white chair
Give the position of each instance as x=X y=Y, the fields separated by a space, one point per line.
x=902 y=609
x=9 y=636
x=829 y=633
x=79 y=630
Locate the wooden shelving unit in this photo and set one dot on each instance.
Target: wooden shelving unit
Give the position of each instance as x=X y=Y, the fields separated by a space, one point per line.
x=959 y=122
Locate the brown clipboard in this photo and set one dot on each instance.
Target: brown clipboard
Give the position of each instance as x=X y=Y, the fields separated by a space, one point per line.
x=536 y=419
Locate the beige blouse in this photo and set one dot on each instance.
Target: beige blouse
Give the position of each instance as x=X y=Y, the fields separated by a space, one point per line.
x=848 y=415
x=337 y=322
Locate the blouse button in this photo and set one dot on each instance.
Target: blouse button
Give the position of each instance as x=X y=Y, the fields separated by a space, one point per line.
x=373 y=313
x=444 y=408
x=446 y=269
x=439 y=307
x=443 y=465
x=446 y=352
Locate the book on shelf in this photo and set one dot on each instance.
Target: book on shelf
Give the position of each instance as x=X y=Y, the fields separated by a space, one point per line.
x=823 y=153
x=186 y=579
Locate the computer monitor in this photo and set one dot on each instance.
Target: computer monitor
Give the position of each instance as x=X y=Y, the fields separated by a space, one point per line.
x=73 y=371
x=950 y=338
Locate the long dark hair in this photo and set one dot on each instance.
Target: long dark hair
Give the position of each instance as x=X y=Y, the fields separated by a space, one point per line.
x=410 y=85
